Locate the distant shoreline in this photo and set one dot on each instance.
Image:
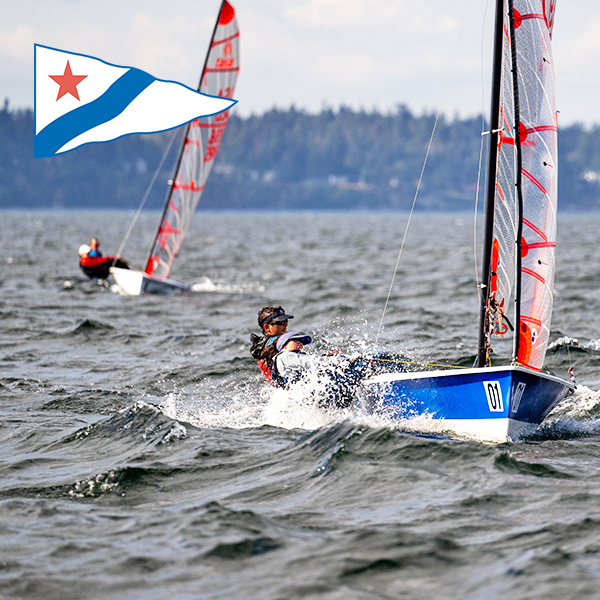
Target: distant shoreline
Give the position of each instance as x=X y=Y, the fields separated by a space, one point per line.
x=289 y=160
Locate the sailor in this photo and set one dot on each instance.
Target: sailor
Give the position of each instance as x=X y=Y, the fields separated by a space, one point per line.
x=94 y=249
x=96 y=266
x=337 y=377
x=273 y=322
x=289 y=364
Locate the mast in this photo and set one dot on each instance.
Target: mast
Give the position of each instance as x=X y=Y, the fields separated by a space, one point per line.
x=182 y=148
x=482 y=351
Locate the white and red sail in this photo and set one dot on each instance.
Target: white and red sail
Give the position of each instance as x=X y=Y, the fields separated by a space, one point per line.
x=524 y=238
x=200 y=146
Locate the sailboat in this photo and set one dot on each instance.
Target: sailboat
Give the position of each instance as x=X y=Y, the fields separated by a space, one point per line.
x=196 y=156
x=496 y=403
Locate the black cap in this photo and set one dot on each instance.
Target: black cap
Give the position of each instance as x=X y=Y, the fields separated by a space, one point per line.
x=276 y=316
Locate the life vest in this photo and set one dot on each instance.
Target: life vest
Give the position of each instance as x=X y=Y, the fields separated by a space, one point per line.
x=276 y=379
x=259 y=346
x=98 y=266
x=266 y=371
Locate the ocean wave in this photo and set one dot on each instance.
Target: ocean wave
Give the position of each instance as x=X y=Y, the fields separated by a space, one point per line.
x=137 y=426
x=83 y=285
x=508 y=463
x=583 y=404
x=206 y=285
x=567 y=343
x=95 y=401
x=86 y=327
x=121 y=451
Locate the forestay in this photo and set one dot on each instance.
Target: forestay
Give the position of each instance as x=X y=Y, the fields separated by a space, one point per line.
x=199 y=149
x=524 y=239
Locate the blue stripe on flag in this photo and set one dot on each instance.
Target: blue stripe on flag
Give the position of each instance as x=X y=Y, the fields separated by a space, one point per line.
x=111 y=104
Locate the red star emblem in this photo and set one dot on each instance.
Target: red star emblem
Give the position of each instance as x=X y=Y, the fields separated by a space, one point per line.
x=68 y=82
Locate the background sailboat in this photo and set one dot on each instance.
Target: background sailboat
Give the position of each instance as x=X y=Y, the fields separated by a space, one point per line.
x=197 y=154
x=494 y=403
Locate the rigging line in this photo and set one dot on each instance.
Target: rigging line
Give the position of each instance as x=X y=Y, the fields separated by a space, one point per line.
x=414 y=202
x=409 y=362
x=141 y=206
x=477 y=282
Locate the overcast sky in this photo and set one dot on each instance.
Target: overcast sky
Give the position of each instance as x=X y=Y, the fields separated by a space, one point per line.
x=311 y=53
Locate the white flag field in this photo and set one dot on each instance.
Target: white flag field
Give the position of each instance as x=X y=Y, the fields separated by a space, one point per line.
x=83 y=100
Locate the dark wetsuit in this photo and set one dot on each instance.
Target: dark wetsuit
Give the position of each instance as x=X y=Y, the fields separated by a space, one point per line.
x=263 y=351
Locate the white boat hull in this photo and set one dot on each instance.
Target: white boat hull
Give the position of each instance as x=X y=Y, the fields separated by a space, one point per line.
x=134 y=283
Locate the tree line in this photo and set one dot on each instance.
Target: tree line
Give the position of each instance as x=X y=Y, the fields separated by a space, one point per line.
x=340 y=159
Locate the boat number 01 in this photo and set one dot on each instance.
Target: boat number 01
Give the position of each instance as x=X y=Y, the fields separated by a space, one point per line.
x=494 y=395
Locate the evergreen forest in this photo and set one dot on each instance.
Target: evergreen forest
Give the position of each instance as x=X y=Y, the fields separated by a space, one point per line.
x=290 y=159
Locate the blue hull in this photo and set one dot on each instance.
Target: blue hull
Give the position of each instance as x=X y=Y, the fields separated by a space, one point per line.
x=491 y=404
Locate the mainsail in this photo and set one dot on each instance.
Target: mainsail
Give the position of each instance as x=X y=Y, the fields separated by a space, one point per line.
x=497 y=402
x=199 y=148
x=524 y=228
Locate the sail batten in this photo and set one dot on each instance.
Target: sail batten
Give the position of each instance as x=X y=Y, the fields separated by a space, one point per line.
x=199 y=148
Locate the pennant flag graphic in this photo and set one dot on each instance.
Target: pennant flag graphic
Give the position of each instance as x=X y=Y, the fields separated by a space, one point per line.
x=83 y=100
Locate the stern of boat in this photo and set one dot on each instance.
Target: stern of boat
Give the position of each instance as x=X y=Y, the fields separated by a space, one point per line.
x=128 y=280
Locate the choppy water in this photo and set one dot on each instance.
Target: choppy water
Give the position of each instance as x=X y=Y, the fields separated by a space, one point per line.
x=142 y=455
